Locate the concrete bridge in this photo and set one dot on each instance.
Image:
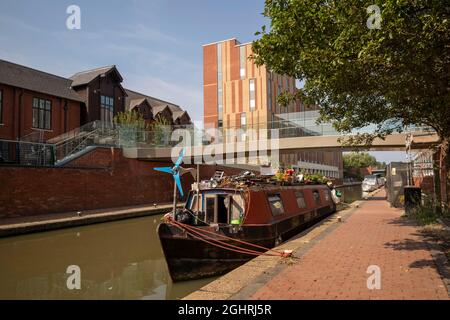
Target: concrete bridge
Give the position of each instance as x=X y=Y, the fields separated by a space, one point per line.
x=394 y=142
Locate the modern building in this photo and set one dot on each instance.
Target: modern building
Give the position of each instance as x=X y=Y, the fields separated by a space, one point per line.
x=36 y=102
x=238 y=94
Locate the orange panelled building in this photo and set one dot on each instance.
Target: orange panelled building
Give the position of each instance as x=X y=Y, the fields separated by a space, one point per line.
x=237 y=94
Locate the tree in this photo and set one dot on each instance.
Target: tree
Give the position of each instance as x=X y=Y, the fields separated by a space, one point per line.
x=394 y=76
x=359 y=160
x=131 y=127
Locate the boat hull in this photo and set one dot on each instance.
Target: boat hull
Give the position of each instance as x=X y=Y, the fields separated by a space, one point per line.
x=189 y=258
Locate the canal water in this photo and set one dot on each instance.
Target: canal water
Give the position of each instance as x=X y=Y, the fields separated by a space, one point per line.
x=117 y=260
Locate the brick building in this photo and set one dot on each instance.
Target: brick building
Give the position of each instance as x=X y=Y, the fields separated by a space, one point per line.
x=32 y=100
x=35 y=102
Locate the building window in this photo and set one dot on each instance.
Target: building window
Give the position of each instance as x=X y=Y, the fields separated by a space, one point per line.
x=42 y=114
x=243 y=126
x=278 y=92
x=219 y=86
x=276 y=205
x=242 y=61
x=220 y=103
x=106 y=109
x=252 y=95
x=300 y=200
x=269 y=92
x=1 y=106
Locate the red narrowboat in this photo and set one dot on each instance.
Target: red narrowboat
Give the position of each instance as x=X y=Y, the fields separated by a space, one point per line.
x=222 y=227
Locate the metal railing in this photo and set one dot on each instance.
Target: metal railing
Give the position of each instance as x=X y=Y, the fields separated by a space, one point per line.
x=26 y=153
x=96 y=133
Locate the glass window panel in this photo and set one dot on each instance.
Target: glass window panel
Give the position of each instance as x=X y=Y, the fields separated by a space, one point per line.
x=35 y=117
x=327 y=195
x=41 y=118
x=210 y=209
x=252 y=85
x=243 y=119
x=102 y=98
x=47 y=105
x=242 y=73
x=242 y=61
x=316 y=196
x=276 y=204
x=300 y=200
x=41 y=104
x=219 y=62
x=48 y=118
x=237 y=207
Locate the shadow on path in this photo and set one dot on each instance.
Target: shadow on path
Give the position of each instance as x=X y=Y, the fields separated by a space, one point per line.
x=424 y=240
x=375 y=198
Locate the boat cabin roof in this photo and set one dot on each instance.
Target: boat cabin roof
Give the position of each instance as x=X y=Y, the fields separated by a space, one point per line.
x=267 y=204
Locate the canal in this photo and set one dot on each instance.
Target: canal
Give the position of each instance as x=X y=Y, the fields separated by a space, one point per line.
x=118 y=260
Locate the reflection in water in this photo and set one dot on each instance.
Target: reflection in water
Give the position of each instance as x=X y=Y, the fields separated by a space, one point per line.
x=118 y=260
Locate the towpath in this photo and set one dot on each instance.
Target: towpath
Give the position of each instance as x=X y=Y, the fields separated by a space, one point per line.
x=372 y=253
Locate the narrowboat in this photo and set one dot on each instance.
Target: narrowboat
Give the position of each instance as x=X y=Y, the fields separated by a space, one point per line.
x=224 y=225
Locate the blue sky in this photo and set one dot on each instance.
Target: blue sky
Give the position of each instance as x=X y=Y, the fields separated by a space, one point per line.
x=156 y=44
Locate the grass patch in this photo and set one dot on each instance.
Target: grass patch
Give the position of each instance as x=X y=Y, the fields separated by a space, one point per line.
x=428 y=213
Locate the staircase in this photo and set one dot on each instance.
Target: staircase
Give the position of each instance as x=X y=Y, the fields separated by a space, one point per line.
x=77 y=142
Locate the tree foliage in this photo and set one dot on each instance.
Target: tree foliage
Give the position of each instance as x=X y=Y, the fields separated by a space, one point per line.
x=131 y=119
x=394 y=76
x=359 y=160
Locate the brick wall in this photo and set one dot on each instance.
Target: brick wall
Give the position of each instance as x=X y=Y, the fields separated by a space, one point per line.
x=123 y=182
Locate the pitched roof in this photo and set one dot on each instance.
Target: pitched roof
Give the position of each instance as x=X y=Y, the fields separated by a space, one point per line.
x=85 y=77
x=157 y=105
x=179 y=114
x=160 y=108
x=152 y=100
x=24 y=77
x=135 y=102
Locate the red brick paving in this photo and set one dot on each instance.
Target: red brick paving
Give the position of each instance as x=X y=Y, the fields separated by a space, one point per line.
x=335 y=268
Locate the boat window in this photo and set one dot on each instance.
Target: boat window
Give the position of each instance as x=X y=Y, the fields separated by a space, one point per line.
x=327 y=195
x=316 y=196
x=300 y=199
x=237 y=209
x=193 y=204
x=223 y=202
x=210 y=209
x=276 y=205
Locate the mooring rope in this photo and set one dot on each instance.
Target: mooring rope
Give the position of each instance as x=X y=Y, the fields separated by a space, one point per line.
x=201 y=234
